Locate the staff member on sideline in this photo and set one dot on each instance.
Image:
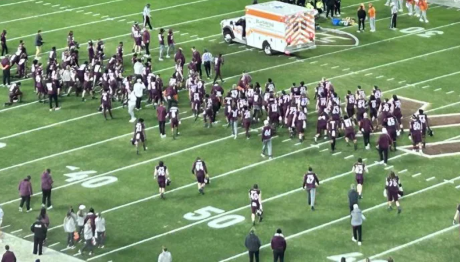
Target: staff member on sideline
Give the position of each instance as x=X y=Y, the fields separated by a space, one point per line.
x=165 y=255
x=383 y=144
x=361 y=18
x=371 y=13
x=279 y=245
x=3 y=42
x=197 y=56
x=394 y=16
x=252 y=243
x=161 y=116
x=353 y=196
x=8 y=256
x=39 y=229
x=146 y=14
x=310 y=182
x=131 y=105
x=38 y=44
x=146 y=41
x=25 y=191
x=1 y=220
x=357 y=218
x=138 y=91
x=207 y=59
x=6 y=67
x=47 y=184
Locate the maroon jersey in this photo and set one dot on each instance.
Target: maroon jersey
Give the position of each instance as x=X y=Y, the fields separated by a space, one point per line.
x=174 y=116
x=170 y=38
x=423 y=118
x=197 y=56
x=392 y=184
x=385 y=108
x=217 y=90
x=415 y=127
x=310 y=180
x=378 y=95
x=199 y=168
x=139 y=132
x=359 y=169
x=349 y=127
x=321 y=123
x=351 y=101
x=336 y=112
x=161 y=113
x=270 y=87
x=267 y=133
x=161 y=39
x=397 y=108
x=106 y=100
x=295 y=91
x=218 y=64
x=161 y=172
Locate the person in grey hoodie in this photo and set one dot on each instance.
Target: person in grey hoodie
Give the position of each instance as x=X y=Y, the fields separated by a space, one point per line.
x=252 y=243
x=47 y=184
x=357 y=218
x=70 y=226
x=88 y=236
x=352 y=196
x=25 y=192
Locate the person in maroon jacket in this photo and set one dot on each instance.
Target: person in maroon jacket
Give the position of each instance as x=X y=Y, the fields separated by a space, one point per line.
x=383 y=144
x=161 y=115
x=47 y=184
x=279 y=246
x=25 y=192
x=52 y=94
x=310 y=182
x=6 y=67
x=146 y=41
x=197 y=57
x=3 y=42
x=8 y=256
x=366 y=128
x=218 y=63
x=180 y=55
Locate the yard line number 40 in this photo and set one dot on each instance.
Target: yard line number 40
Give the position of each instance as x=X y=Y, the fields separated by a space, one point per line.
x=92 y=183
x=420 y=31
x=218 y=223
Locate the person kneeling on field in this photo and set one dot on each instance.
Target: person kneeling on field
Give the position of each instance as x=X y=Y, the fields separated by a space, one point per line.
x=15 y=94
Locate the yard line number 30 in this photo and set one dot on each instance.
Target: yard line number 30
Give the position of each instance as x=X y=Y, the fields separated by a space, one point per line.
x=217 y=223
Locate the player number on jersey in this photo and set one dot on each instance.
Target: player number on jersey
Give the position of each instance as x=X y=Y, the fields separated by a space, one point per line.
x=217 y=223
x=91 y=183
x=420 y=31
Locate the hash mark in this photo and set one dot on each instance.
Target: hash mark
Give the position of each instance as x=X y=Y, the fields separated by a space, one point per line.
x=347 y=157
x=437 y=89
x=96 y=14
x=222 y=42
x=46 y=3
x=52 y=245
x=293 y=57
x=403 y=171
x=324 y=64
x=297 y=144
x=314 y=62
x=194 y=36
x=425 y=87
x=364 y=159
x=380 y=77
x=324 y=150
x=450 y=92
x=346 y=69
x=55 y=5
x=416 y=175
x=104 y=16
x=388 y=167
x=338 y=153
x=88 y=13
x=79 y=11
x=121 y=20
x=286 y=140
x=16 y=231
x=431 y=178
x=334 y=67
x=390 y=79
x=400 y=82
x=368 y=74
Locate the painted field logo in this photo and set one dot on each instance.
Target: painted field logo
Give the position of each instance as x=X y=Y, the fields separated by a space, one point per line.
x=332 y=37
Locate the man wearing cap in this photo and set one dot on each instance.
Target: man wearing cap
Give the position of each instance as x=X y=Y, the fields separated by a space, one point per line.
x=384 y=143
x=39 y=229
x=267 y=134
x=252 y=243
x=278 y=245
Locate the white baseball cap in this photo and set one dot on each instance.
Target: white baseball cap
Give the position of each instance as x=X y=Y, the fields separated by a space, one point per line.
x=81 y=207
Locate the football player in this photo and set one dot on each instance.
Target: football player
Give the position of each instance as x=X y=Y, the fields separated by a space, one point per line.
x=310 y=182
x=174 y=119
x=299 y=122
x=106 y=103
x=350 y=134
x=333 y=132
x=267 y=133
x=201 y=172
x=392 y=125
x=15 y=93
x=360 y=92
x=392 y=187
x=423 y=118
x=233 y=117
x=351 y=103
x=255 y=195
x=377 y=93
x=139 y=135
x=397 y=111
x=416 y=134
x=361 y=105
x=246 y=120
x=360 y=169
x=161 y=174
x=321 y=125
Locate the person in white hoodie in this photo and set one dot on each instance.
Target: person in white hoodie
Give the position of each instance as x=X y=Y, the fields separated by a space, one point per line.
x=100 y=230
x=165 y=256
x=70 y=226
x=131 y=105
x=138 y=90
x=88 y=236
x=81 y=215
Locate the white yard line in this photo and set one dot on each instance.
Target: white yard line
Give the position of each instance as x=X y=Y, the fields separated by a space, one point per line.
x=416 y=175
x=450 y=92
x=118 y=17
x=416 y=241
x=348 y=157
x=431 y=178
x=88 y=13
x=345 y=218
x=16 y=231
x=402 y=171
x=21 y=2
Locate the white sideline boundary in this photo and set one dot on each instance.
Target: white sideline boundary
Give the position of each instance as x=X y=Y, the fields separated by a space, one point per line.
x=347 y=217
x=413 y=242
x=21 y=2
x=68 y=9
x=230 y=212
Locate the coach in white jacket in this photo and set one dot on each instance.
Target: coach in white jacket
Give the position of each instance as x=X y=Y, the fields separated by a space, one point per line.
x=70 y=226
x=100 y=230
x=131 y=104
x=138 y=91
x=165 y=256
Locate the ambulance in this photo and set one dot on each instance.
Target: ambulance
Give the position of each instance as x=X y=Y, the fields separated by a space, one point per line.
x=273 y=27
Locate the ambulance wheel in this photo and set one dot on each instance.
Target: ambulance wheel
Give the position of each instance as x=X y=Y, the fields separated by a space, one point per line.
x=228 y=36
x=267 y=48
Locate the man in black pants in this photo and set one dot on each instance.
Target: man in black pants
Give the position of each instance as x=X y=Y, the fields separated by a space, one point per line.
x=146 y=14
x=39 y=229
x=207 y=59
x=161 y=116
x=361 y=18
x=384 y=143
x=3 y=43
x=52 y=95
x=394 y=15
x=25 y=191
x=252 y=243
x=5 y=64
x=47 y=185
x=330 y=8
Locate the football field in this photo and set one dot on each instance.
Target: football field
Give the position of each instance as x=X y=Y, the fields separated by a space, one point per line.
x=93 y=162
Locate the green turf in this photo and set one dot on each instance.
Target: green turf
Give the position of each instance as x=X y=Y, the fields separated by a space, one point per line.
x=139 y=223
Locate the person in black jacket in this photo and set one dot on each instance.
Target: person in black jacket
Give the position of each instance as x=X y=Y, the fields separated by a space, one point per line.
x=39 y=229
x=252 y=243
x=330 y=8
x=361 y=18
x=337 y=8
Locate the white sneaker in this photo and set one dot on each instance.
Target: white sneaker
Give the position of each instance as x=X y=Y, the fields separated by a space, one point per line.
x=420 y=152
x=20 y=209
x=168 y=56
x=57 y=108
x=43 y=205
x=400 y=10
x=409 y=14
x=50 y=207
x=421 y=20
x=386 y=4
x=426 y=21
x=29 y=210
x=368 y=147
x=132 y=120
x=353 y=239
x=270 y=158
x=359 y=243
x=262 y=155
x=160 y=59
x=235 y=137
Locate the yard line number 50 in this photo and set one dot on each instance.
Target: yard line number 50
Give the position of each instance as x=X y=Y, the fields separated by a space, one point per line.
x=218 y=223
